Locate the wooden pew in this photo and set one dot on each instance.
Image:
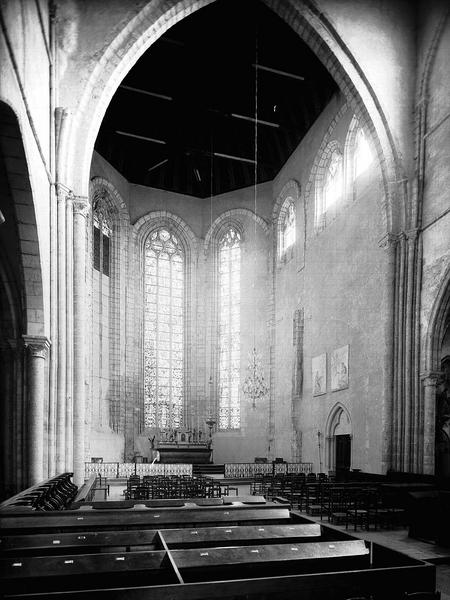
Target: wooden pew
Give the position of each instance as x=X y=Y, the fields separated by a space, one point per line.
x=123 y=541
x=272 y=559
x=71 y=571
x=52 y=573
x=243 y=535
x=144 y=518
x=233 y=551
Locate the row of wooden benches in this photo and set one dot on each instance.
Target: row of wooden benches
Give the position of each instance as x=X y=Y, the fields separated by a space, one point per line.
x=232 y=550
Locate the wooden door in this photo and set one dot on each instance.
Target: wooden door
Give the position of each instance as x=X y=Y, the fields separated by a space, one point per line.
x=343 y=453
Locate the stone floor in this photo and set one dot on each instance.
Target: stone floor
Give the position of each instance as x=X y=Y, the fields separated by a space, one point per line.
x=396 y=539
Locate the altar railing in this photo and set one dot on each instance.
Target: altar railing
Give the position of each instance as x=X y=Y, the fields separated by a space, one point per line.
x=115 y=470
x=238 y=470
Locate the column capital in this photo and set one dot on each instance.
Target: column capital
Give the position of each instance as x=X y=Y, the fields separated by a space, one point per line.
x=388 y=241
x=38 y=345
x=81 y=206
x=430 y=378
x=63 y=193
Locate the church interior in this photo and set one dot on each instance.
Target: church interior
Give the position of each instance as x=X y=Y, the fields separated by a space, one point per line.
x=224 y=268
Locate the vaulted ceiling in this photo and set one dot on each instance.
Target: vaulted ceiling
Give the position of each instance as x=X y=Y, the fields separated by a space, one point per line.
x=183 y=119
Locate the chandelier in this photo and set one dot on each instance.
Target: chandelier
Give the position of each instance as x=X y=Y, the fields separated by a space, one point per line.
x=254 y=386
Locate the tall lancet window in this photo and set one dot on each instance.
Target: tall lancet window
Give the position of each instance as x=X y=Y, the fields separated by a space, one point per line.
x=163 y=330
x=333 y=183
x=287 y=227
x=229 y=329
x=102 y=240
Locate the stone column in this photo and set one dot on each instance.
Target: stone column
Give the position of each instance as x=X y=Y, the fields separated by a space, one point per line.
x=429 y=383
x=69 y=332
x=80 y=212
x=62 y=193
x=411 y=407
x=37 y=353
x=389 y=243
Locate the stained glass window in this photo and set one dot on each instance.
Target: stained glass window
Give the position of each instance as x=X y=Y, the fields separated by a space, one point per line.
x=101 y=241
x=229 y=329
x=363 y=154
x=287 y=228
x=96 y=252
x=163 y=330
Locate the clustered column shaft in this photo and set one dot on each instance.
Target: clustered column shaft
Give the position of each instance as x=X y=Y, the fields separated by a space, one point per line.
x=37 y=353
x=80 y=212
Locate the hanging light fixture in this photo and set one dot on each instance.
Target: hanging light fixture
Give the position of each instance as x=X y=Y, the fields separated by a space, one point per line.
x=254 y=386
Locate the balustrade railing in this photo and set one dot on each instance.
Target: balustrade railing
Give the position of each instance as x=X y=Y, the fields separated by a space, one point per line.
x=248 y=470
x=115 y=470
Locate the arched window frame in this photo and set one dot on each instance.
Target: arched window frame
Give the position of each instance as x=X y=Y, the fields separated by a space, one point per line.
x=109 y=214
x=180 y=421
x=227 y=420
x=287 y=229
x=215 y=236
x=332 y=160
x=102 y=221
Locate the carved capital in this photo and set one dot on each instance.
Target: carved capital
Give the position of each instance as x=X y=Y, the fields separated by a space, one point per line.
x=81 y=206
x=430 y=378
x=388 y=241
x=37 y=345
x=63 y=193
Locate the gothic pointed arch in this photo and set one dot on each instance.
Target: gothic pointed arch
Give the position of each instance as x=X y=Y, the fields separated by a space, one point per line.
x=285 y=219
x=311 y=23
x=338 y=423
x=22 y=314
x=233 y=216
x=161 y=228
x=107 y=236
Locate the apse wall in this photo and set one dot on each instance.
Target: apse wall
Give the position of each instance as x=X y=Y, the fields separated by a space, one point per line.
x=328 y=292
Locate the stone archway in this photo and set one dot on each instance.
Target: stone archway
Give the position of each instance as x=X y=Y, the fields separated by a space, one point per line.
x=311 y=24
x=23 y=347
x=338 y=434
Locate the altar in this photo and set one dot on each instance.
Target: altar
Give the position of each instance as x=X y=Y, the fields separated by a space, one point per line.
x=184 y=453
x=175 y=446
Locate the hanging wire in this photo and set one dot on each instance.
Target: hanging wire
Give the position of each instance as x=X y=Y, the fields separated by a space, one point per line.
x=256 y=180
x=211 y=191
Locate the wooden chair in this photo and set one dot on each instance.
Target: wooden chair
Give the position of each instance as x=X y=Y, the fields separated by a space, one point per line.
x=357 y=511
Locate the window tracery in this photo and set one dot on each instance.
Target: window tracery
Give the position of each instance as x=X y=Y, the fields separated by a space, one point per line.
x=163 y=330
x=102 y=233
x=229 y=258
x=287 y=227
x=329 y=185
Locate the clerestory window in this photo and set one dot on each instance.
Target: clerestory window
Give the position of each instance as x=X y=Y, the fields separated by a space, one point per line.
x=163 y=330
x=229 y=305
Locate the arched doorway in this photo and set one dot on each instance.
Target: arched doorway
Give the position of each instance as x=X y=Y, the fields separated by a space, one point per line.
x=339 y=440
